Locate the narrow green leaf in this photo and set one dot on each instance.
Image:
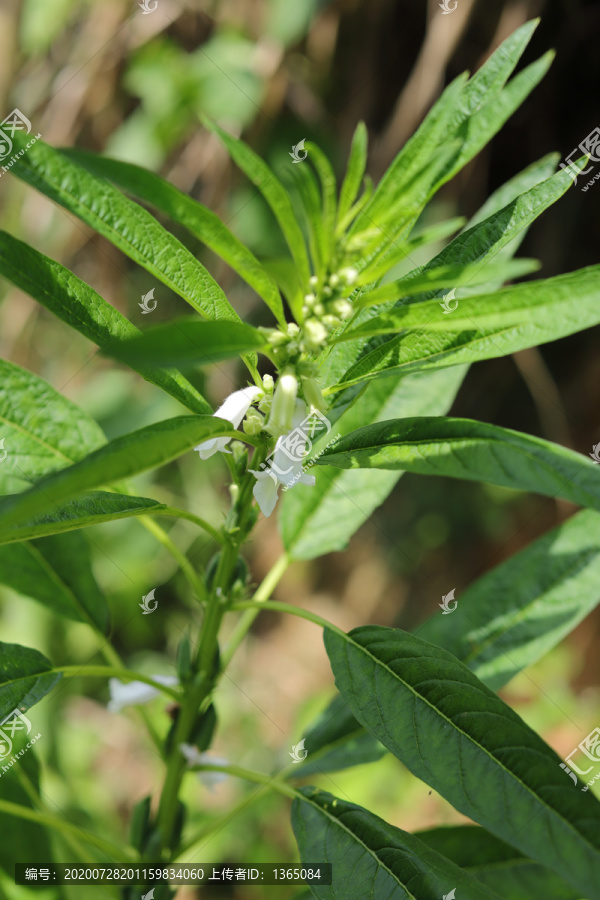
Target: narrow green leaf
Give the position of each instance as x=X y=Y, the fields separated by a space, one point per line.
x=475 y=451
x=518 y=611
x=443 y=276
x=91 y=509
x=128 y=455
x=416 y=153
x=496 y=864
x=199 y=221
x=308 y=194
x=77 y=304
x=57 y=572
x=328 y=196
x=455 y=734
x=397 y=254
x=274 y=193
x=371 y=858
x=337 y=741
x=187 y=343
x=355 y=171
x=25 y=677
x=22 y=840
x=558 y=302
x=481 y=127
x=42 y=430
x=320 y=519
x=125 y=224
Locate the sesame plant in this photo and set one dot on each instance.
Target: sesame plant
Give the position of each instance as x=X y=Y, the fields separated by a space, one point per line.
x=347 y=388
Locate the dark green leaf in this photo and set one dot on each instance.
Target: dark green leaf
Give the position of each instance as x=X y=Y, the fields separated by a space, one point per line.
x=42 y=430
x=124 y=456
x=25 y=677
x=496 y=864
x=126 y=224
x=274 y=193
x=187 y=343
x=91 y=509
x=455 y=734
x=56 y=571
x=476 y=451
x=77 y=304
x=337 y=741
x=371 y=858
x=200 y=221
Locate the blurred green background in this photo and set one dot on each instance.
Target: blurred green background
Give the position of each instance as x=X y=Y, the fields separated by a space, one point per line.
x=101 y=75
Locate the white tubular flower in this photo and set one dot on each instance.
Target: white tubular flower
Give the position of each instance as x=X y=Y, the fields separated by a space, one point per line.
x=133 y=693
x=285 y=466
x=233 y=409
x=283 y=406
x=195 y=758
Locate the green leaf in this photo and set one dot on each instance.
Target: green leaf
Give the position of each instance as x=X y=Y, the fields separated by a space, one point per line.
x=355 y=171
x=371 y=858
x=514 y=614
x=337 y=741
x=187 y=343
x=328 y=197
x=499 y=234
x=455 y=734
x=199 y=221
x=481 y=127
x=433 y=279
x=475 y=451
x=77 y=304
x=125 y=224
x=319 y=519
x=57 y=572
x=25 y=677
x=91 y=509
x=418 y=151
x=42 y=430
x=128 y=455
x=274 y=193
x=309 y=197
x=496 y=864
x=563 y=304
x=22 y=840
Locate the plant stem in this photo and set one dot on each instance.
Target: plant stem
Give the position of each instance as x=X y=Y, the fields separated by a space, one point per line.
x=186 y=567
x=110 y=672
x=184 y=514
x=262 y=594
x=251 y=775
x=116 y=851
x=293 y=610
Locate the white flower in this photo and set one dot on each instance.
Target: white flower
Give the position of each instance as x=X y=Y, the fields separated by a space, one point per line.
x=132 y=693
x=233 y=409
x=195 y=758
x=285 y=466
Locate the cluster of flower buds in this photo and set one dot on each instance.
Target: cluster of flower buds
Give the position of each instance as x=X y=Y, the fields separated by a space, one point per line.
x=326 y=308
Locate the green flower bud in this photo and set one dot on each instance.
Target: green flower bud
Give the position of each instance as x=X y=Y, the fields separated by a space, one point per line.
x=313 y=281
x=283 y=406
x=331 y=321
x=312 y=393
x=316 y=333
x=343 y=308
x=253 y=423
x=348 y=275
x=334 y=280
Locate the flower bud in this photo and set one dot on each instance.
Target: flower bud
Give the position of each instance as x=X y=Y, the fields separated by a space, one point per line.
x=348 y=275
x=343 y=308
x=253 y=423
x=334 y=280
x=315 y=332
x=313 y=281
x=283 y=406
x=276 y=338
x=312 y=393
x=331 y=321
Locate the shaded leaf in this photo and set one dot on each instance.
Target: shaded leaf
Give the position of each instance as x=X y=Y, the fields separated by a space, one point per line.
x=371 y=858
x=22 y=841
x=25 y=677
x=455 y=734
